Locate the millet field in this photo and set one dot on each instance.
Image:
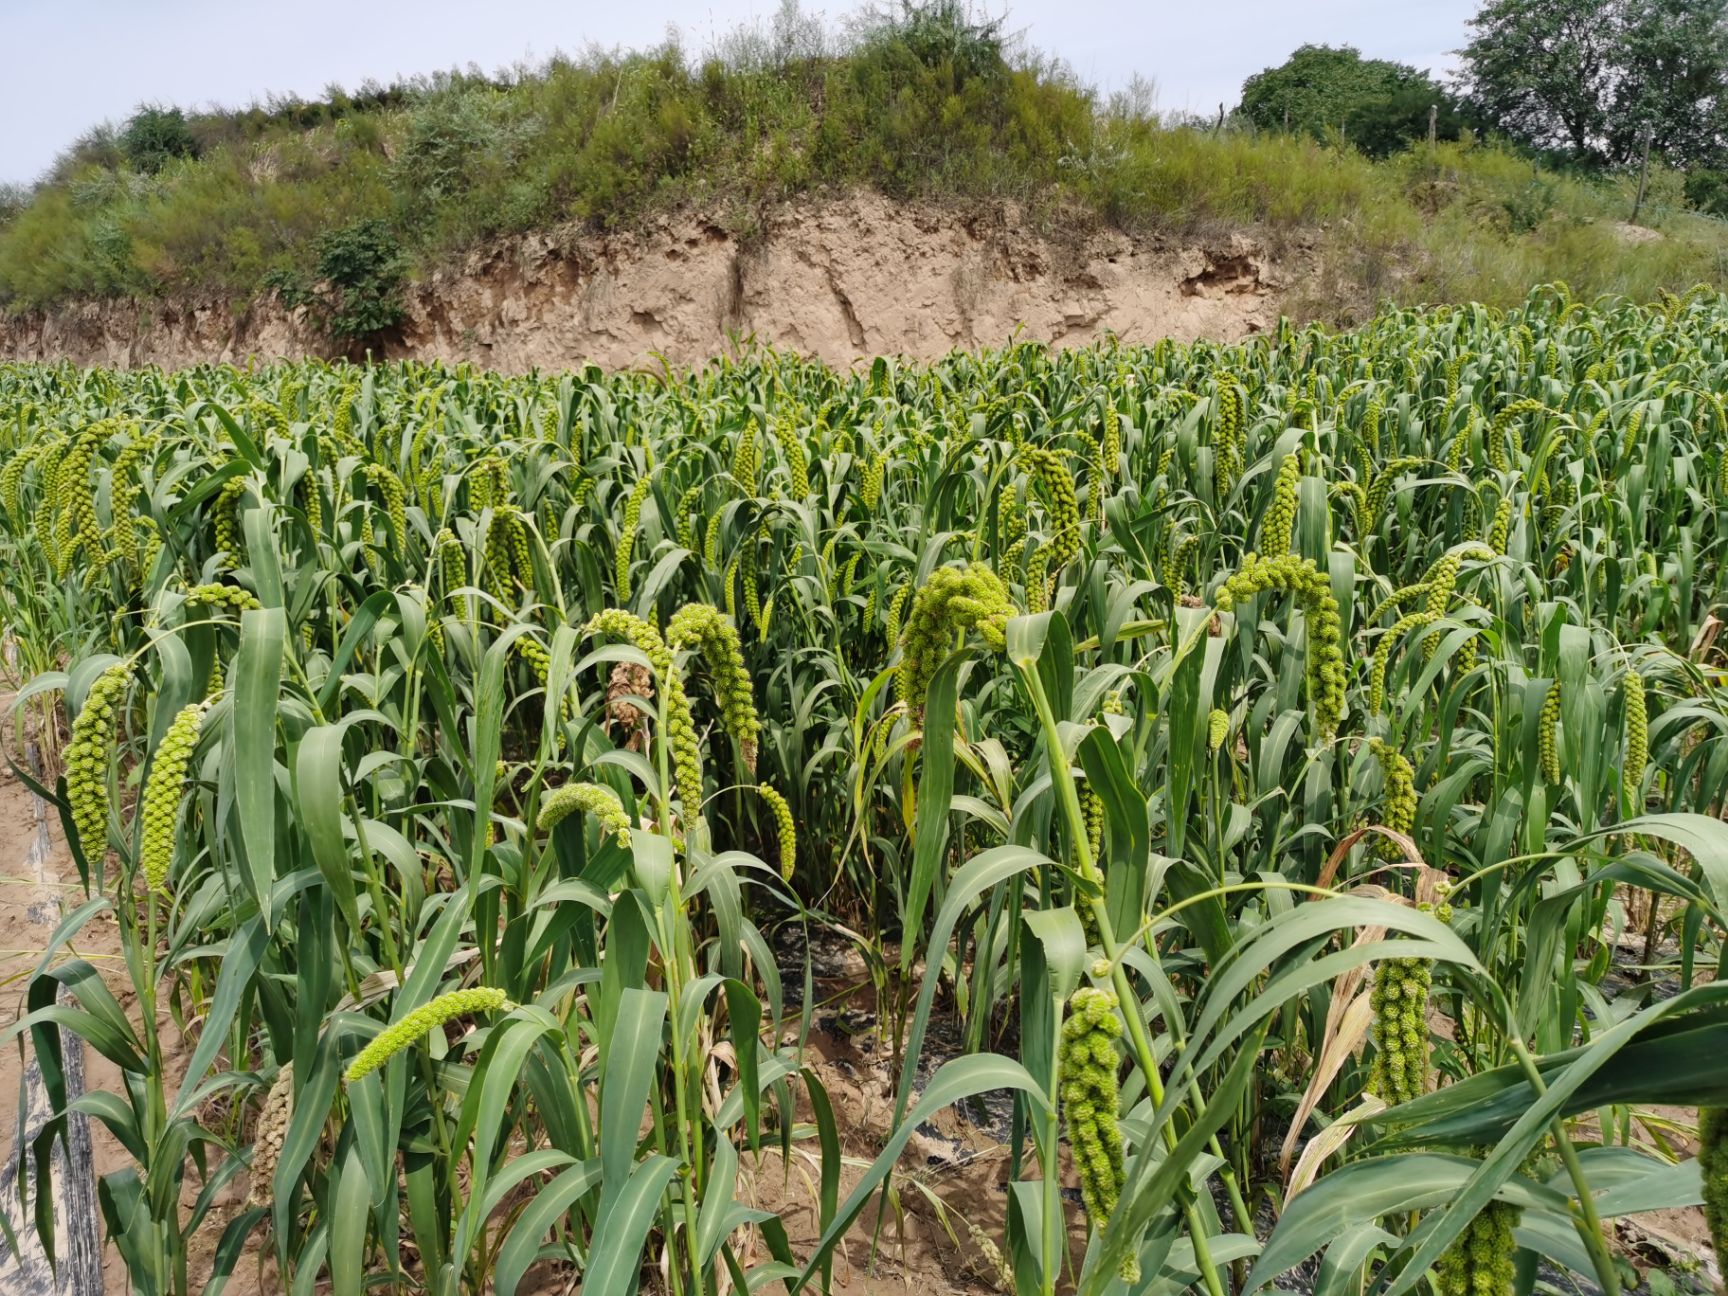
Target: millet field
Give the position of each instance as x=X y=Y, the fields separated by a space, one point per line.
x=1276 y=788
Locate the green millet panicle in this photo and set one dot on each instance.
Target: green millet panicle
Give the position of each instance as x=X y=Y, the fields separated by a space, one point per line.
x=1500 y=530
x=1383 y=655
x=825 y=564
x=1011 y=529
x=227 y=520
x=785 y=830
x=1634 y=426
x=752 y=598
x=12 y=480
x=1217 y=728
x=1506 y=422
x=689 y=507
x=1547 y=744
x=412 y=1028
x=452 y=568
x=1459 y=444
x=953 y=600
x=1090 y=1099
x=1112 y=443
x=223 y=596
x=1380 y=490
x=1400 y=596
x=1398 y=810
x=1637 y=741
x=1399 y=1030
x=86 y=757
x=1442 y=581
x=1226 y=435
x=1092 y=809
x=711 y=542
x=163 y=792
x=1051 y=475
x=627 y=538
x=488 y=484
x=311 y=501
x=1480 y=1261
x=896 y=606
x=729 y=583
x=1280 y=521
x=530 y=650
x=1177 y=561
x=1313 y=593
x=1713 y=1166
x=792 y=447
x=875 y=471
x=1097 y=489
x=744 y=459
x=389 y=486
x=600 y=802
x=701 y=626
x=76 y=527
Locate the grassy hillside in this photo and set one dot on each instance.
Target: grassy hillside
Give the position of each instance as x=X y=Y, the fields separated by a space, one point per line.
x=925 y=106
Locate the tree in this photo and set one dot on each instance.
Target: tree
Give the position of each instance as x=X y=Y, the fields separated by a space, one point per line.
x=1589 y=77
x=1383 y=126
x=1707 y=190
x=357 y=299
x=1380 y=105
x=155 y=136
x=1676 y=82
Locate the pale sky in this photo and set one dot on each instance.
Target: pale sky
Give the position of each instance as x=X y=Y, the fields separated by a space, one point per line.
x=71 y=64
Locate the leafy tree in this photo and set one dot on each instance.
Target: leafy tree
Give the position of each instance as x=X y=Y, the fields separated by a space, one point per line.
x=154 y=136
x=1380 y=105
x=1676 y=81
x=1383 y=126
x=1707 y=190
x=1589 y=77
x=358 y=296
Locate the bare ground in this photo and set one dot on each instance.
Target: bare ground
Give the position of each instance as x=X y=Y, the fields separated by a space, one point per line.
x=841 y=279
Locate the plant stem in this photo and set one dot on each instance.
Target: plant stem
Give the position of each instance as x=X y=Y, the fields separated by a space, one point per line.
x=1588 y=1222
x=1063 y=780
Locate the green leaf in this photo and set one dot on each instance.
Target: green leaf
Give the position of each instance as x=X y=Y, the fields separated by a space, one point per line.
x=631 y=1062
x=257 y=680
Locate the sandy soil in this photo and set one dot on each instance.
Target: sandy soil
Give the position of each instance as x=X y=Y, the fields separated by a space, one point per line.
x=842 y=279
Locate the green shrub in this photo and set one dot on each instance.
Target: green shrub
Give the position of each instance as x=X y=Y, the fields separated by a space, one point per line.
x=921 y=102
x=1707 y=190
x=357 y=293
x=155 y=136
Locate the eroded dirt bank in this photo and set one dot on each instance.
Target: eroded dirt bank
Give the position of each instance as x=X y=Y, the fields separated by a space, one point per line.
x=841 y=280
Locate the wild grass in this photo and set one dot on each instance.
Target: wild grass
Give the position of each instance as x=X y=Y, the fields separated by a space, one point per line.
x=925 y=107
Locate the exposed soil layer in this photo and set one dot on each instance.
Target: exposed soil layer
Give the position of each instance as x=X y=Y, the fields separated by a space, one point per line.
x=840 y=279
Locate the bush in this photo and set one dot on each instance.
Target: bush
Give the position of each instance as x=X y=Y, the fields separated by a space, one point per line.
x=920 y=102
x=363 y=269
x=154 y=136
x=358 y=294
x=1707 y=191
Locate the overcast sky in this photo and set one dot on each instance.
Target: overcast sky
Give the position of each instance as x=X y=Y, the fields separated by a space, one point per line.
x=71 y=64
